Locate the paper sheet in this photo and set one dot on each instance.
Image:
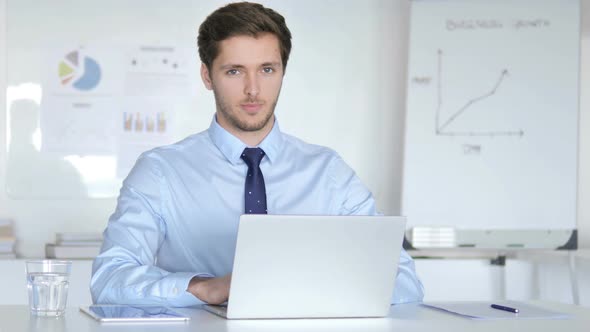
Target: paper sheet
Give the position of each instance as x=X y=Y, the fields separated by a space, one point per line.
x=483 y=311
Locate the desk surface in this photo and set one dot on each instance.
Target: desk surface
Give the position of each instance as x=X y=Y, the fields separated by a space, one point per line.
x=407 y=318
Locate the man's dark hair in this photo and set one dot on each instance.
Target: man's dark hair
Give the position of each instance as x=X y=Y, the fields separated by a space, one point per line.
x=242 y=18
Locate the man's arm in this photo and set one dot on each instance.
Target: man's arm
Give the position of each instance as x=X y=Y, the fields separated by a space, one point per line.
x=356 y=199
x=125 y=271
x=408 y=287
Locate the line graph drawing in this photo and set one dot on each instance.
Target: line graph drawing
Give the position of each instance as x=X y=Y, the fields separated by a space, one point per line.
x=441 y=129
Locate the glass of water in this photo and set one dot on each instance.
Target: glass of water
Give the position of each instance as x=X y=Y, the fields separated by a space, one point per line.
x=48 y=281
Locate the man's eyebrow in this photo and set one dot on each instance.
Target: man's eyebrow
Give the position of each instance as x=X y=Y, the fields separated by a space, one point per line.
x=271 y=64
x=236 y=66
x=231 y=65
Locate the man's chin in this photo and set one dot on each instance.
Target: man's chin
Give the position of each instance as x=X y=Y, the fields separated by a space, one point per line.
x=252 y=125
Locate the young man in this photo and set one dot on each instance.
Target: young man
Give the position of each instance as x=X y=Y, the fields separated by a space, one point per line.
x=172 y=237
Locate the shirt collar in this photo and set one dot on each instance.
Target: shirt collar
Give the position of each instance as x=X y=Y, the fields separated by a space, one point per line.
x=232 y=147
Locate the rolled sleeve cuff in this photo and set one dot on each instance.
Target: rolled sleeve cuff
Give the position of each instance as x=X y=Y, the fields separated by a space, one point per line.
x=179 y=295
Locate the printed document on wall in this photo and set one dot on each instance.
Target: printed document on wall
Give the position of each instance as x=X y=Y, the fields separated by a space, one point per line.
x=78 y=106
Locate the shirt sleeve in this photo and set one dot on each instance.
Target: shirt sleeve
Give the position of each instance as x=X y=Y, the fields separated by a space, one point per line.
x=353 y=198
x=125 y=271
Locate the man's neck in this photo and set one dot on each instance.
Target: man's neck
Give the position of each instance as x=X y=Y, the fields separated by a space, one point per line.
x=250 y=138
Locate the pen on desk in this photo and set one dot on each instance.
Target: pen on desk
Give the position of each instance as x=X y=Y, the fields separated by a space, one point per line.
x=501 y=307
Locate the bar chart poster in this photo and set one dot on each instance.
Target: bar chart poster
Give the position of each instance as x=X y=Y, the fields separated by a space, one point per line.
x=492 y=114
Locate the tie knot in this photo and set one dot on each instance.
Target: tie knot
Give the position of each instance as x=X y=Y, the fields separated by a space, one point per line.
x=252 y=156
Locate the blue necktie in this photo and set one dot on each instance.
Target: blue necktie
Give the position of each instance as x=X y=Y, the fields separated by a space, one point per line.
x=255 y=191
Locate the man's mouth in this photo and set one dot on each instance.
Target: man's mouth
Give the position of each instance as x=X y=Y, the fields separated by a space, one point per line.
x=251 y=107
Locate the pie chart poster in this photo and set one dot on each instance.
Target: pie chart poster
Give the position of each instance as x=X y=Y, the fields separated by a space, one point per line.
x=83 y=71
x=80 y=87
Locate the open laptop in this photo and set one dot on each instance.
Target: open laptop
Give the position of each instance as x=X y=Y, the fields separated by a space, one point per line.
x=313 y=267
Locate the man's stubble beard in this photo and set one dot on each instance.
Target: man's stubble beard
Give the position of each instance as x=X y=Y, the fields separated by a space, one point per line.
x=226 y=111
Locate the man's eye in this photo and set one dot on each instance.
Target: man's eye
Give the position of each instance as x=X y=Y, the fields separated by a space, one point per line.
x=268 y=70
x=232 y=72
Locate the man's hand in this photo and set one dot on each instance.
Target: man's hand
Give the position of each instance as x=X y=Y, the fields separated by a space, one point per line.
x=210 y=290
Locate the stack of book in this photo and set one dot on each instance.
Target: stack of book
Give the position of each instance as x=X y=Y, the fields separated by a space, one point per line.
x=433 y=237
x=7 y=239
x=74 y=246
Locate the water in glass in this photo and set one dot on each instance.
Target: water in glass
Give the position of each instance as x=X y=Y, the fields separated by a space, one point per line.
x=48 y=292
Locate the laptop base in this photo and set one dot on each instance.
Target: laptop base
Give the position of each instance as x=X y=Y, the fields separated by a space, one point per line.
x=219 y=310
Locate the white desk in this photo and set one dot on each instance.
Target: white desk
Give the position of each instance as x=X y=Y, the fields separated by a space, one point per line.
x=406 y=318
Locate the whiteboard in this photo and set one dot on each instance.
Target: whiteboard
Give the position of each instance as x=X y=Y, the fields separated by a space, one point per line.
x=492 y=115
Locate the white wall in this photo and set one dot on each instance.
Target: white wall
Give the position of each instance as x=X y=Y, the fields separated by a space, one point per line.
x=542 y=277
x=584 y=142
x=3 y=203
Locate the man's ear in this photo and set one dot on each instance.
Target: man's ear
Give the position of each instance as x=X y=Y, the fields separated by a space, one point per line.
x=206 y=77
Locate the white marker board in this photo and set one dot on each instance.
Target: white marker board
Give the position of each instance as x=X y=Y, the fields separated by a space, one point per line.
x=492 y=115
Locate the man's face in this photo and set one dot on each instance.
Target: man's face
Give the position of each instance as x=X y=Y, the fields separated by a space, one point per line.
x=246 y=79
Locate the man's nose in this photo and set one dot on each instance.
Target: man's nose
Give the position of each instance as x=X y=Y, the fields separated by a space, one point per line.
x=252 y=87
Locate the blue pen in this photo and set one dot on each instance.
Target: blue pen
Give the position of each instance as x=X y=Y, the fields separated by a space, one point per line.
x=501 y=307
